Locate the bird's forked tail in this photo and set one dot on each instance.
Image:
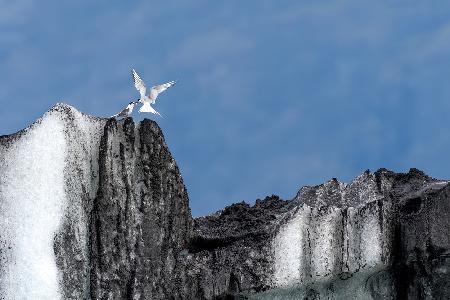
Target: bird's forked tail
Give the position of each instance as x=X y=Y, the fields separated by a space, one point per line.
x=147 y=108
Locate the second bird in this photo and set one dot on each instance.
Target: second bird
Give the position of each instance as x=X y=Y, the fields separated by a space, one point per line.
x=126 y=111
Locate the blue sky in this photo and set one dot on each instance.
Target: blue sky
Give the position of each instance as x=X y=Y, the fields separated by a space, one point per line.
x=272 y=95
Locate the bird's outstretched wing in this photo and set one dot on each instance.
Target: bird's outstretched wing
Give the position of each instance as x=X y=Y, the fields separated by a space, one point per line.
x=139 y=84
x=162 y=87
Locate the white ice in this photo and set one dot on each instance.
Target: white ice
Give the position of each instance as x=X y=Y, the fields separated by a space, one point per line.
x=32 y=201
x=317 y=245
x=46 y=175
x=289 y=249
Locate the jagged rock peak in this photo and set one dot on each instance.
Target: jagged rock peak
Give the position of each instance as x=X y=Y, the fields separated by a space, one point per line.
x=365 y=188
x=141 y=219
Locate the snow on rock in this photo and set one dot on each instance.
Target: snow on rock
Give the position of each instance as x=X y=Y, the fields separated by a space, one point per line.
x=329 y=240
x=32 y=194
x=382 y=236
x=83 y=134
x=291 y=249
x=47 y=171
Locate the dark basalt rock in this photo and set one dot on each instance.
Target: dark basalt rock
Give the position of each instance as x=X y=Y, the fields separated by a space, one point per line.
x=141 y=219
x=229 y=252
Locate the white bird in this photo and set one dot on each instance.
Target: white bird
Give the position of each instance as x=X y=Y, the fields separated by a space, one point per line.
x=126 y=111
x=152 y=95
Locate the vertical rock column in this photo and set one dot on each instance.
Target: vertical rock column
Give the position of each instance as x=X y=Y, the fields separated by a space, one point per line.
x=141 y=218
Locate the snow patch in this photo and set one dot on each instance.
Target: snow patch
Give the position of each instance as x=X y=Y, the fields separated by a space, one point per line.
x=371 y=240
x=49 y=177
x=326 y=242
x=289 y=249
x=316 y=245
x=32 y=199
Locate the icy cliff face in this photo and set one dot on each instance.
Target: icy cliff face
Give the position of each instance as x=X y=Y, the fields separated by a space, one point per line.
x=93 y=208
x=47 y=184
x=334 y=248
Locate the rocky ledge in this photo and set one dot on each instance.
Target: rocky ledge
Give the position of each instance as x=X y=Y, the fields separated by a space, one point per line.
x=96 y=209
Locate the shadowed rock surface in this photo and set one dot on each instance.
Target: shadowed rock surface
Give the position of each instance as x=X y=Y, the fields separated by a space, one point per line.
x=106 y=216
x=141 y=218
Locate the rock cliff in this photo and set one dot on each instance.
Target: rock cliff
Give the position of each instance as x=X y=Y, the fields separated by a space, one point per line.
x=96 y=208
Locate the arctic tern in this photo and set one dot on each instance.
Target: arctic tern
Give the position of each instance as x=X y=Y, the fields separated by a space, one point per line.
x=149 y=99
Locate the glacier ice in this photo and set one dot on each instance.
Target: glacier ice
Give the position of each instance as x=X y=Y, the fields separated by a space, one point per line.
x=42 y=176
x=319 y=245
x=33 y=199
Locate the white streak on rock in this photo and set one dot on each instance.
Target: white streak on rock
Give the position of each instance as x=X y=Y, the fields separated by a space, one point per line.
x=317 y=245
x=49 y=176
x=371 y=239
x=289 y=246
x=32 y=197
x=326 y=242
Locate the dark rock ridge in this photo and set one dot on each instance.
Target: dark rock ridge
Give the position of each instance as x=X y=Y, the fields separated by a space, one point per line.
x=96 y=209
x=141 y=219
